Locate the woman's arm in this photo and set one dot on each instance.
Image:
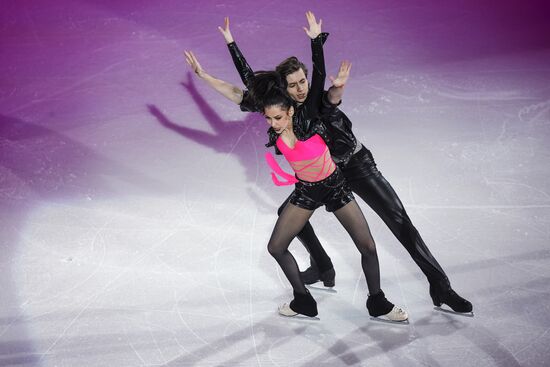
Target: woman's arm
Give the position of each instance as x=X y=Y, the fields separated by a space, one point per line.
x=229 y=91
x=245 y=71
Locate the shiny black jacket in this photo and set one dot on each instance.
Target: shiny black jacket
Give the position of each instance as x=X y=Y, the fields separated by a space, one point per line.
x=335 y=127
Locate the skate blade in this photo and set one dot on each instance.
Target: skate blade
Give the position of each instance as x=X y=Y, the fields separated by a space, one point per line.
x=465 y=314
x=322 y=288
x=388 y=321
x=300 y=317
x=285 y=311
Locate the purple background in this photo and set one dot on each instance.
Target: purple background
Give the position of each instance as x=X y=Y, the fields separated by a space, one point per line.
x=135 y=204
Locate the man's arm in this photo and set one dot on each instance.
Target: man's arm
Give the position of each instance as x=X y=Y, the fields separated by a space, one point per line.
x=229 y=91
x=314 y=99
x=245 y=71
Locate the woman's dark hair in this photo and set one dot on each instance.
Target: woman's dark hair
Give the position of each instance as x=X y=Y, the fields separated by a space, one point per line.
x=289 y=66
x=267 y=89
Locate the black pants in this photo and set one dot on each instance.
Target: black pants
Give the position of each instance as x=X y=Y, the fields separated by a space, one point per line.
x=368 y=183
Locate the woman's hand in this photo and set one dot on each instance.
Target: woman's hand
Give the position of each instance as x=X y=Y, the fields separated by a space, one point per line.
x=194 y=63
x=314 y=27
x=226 y=32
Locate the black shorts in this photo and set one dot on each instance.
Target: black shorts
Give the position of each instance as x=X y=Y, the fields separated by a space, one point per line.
x=332 y=192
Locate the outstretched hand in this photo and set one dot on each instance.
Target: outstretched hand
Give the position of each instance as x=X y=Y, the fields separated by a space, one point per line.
x=226 y=32
x=194 y=63
x=343 y=75
x=314 y=27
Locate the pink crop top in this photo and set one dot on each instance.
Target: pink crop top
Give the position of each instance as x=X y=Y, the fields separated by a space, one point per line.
x=310 y=159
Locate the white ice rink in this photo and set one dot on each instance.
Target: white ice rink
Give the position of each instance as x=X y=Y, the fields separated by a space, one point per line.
x=135 y=204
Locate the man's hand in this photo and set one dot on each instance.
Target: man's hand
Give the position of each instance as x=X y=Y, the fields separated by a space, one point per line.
x=314 y=27
x=343 y=75
x=226 y=32
x=194 y=63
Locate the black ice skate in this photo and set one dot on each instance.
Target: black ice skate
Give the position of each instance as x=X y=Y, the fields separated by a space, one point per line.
x=312 y=275
x=442 y=293
x=383 y=310
x=302 y=304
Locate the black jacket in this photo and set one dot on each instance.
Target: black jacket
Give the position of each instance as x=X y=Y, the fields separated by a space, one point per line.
x=335 y=127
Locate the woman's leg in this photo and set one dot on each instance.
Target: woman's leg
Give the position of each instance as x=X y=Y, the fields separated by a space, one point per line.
x=354 y=222
x=318 y=257
x=289 y=224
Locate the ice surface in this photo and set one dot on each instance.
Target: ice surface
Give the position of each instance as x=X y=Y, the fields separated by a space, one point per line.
x=135 y=205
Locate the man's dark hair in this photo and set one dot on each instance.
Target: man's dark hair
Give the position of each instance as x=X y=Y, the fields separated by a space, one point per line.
x=289 y=66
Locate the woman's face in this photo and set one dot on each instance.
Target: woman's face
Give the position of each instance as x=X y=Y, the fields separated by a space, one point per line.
x=278 y=118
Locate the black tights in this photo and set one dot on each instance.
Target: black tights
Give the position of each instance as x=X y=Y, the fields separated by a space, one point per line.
x=292 y=220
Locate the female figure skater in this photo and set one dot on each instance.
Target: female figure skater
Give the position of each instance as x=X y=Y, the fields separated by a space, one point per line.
x=359 y=169
x=318 y=182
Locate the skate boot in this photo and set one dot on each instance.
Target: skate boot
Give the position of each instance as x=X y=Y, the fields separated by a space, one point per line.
x=378 y=305
x=303 y=304
x=313 y=275
x=442 y=293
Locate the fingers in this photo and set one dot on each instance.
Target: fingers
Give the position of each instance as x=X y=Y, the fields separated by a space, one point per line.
x=192 y=60
x=310 y=18
x=199 y=67
x=187 y=57
x=225 y=28
x=345 y=67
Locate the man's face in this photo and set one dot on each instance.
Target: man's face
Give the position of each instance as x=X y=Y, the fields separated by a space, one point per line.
x=298 y=87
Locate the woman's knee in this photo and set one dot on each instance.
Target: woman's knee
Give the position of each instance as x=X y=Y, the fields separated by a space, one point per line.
x=276 y=250
x=367 y=248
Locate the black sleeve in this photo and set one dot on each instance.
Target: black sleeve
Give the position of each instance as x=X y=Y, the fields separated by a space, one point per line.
x=245 y=71
x=327 y=107
x=315 y=95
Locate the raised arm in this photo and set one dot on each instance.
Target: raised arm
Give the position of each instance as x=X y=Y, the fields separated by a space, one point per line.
x=314 y=98
x=229 y=91
x=245 y=71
